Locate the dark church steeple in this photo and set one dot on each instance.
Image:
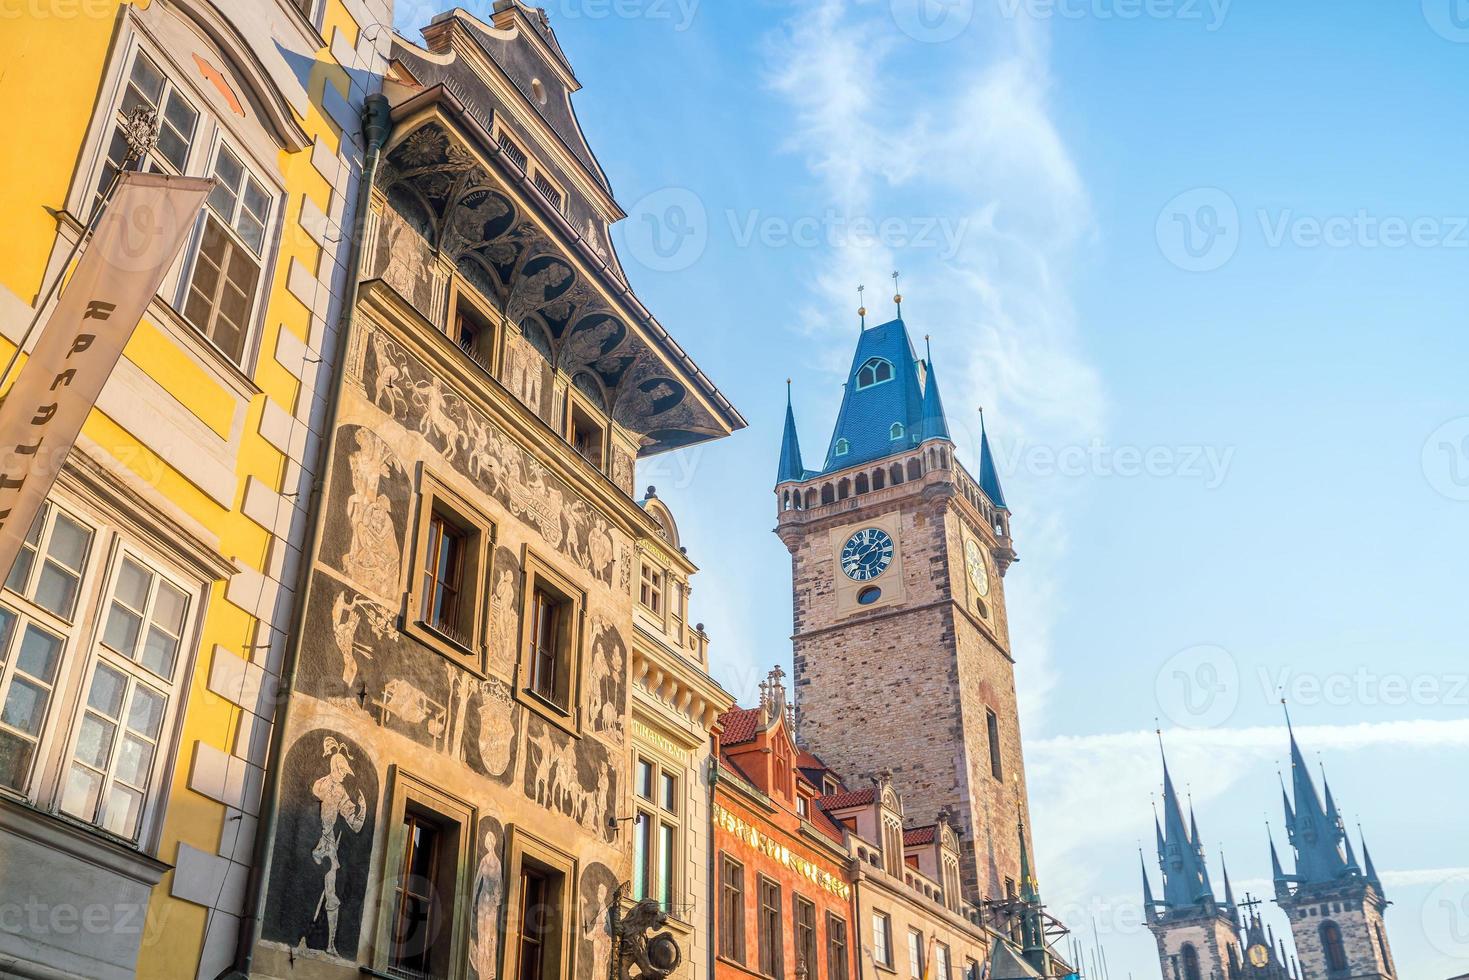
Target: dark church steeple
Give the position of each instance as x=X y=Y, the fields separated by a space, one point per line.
x=791 y=468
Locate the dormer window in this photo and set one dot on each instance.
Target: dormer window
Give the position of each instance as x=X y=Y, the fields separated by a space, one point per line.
x=843 y=447
x=874 y=372
x=896 y=432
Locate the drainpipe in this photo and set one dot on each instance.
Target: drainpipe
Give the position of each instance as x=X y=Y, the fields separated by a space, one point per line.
x=713 y=782
x=376 y=124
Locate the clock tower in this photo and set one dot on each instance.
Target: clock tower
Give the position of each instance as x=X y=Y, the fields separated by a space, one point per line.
x=902 y=657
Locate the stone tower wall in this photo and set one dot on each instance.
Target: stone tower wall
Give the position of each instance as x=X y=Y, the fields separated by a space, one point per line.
x=1358 y=911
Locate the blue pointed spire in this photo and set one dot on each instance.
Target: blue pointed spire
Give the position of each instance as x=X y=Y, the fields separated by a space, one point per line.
x=935 y=425
x=989 y=476
x=1229 y=901
x=1282 y=883
x=1185 y=876
x=1315 y=833
x=1371 y=869
x=1148 y=903
x=791 y=467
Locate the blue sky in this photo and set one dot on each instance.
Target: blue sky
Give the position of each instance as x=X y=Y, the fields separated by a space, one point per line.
x=1203 y=265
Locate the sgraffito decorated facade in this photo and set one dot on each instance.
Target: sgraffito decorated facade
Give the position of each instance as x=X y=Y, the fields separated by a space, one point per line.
x=457 y=789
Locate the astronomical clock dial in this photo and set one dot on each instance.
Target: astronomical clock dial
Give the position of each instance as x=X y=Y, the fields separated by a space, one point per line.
x=867 y=554
x=1259 y=955
x=979 y=571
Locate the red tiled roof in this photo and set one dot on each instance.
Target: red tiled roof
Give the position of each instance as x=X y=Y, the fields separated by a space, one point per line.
x=740 y=725
x=919 y=835
x=851 y=797
x=808 y=760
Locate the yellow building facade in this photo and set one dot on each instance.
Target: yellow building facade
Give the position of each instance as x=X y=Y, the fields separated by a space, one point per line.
x=143 y=626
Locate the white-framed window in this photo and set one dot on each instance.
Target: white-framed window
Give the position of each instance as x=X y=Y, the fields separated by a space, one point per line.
x=225 y=279
x=656 y=854
x=882 y=939
x=148 y=87
x=218 y=284
x=93 y=639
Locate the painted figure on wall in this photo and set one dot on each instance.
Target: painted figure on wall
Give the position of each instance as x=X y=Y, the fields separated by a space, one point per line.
x=477 y=449
x=573 y=778
x=337 y=807
x=348 y=612
x=605 y=679
x=594 y=930
x=372 y=558
x=323 y=850
x=487 y=899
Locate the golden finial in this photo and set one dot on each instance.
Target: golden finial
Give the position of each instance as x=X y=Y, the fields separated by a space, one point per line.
x=862 y=305
x=897 y=294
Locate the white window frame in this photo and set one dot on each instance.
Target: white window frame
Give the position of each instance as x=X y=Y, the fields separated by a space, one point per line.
x=137 y=674
x=209 y=132
x=82 y=650
x=659 y=816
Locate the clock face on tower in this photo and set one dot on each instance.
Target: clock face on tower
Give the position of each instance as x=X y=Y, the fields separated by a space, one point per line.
x=867 y=554
x=979 y=572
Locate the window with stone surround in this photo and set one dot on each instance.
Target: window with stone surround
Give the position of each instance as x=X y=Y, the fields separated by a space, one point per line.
x=549 y=670
x=445 y=606
x=836 y=947
x=731 y=909
x=430 y=851
x=992 y=725
x=804 y=920
x=657 y=855
x=1333 y=947
x=915 y=954
x=882 y=939
x=217 y=285
x=768 y=930
x=540 y=916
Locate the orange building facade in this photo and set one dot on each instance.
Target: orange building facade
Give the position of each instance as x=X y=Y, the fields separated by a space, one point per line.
x=782 y=900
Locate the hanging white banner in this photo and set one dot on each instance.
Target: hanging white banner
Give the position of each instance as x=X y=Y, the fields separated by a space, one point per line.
x=135 y=242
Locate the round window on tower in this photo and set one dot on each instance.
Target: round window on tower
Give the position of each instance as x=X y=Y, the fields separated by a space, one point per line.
x=869 y=595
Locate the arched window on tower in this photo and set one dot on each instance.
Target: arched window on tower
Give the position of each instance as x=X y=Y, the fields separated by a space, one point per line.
x=896 y=432
x=1191 y=963
x=1333 y=947
x=1382 y=947
x=843 y=447
x=874 y=372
